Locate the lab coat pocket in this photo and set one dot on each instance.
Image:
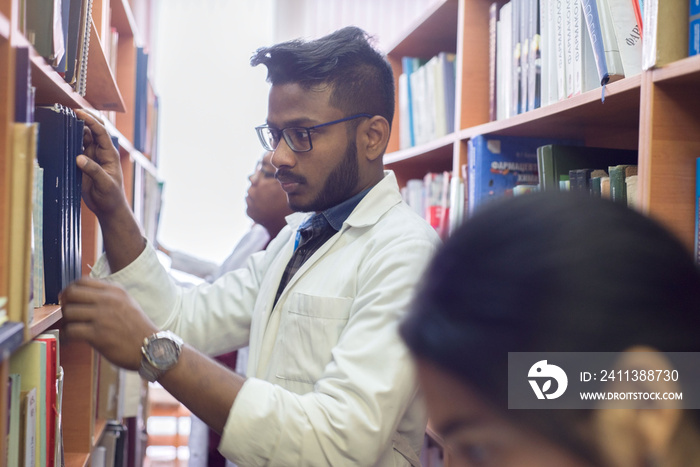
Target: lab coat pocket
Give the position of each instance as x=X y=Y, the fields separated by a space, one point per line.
x=311 y=326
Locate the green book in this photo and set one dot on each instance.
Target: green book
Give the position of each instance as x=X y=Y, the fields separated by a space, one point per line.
x=555 y=160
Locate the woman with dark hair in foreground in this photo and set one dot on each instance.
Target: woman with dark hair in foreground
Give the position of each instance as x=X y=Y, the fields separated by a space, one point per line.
x=553 y=273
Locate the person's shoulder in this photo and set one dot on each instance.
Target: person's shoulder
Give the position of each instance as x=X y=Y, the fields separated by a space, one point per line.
x=403 y=221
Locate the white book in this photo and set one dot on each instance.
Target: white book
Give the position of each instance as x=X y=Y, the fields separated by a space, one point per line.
x=569 y=46
x=404 y=117
x=629 y=37
x=28 y=428
x=610 y=42
x=560 y=31
x=578 y=26
x=544 y=53
x=418 y=96
x=504 y=76
x=589 y=70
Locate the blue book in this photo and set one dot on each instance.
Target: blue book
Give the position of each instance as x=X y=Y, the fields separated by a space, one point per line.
x=409 y=65
x=499 y=163
x=141 y=100
x=694 y=28
x=590 y=12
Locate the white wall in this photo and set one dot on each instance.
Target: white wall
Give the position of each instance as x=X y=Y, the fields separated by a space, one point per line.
x=210 y=101
x=211 y=98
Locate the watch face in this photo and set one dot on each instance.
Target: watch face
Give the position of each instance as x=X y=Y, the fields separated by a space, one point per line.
x=162 y=353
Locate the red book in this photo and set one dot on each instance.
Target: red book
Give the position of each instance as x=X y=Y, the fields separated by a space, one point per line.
x=52 y=364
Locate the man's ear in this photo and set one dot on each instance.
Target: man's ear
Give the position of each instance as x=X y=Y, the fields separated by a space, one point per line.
x=374 y=137
x=651 y=424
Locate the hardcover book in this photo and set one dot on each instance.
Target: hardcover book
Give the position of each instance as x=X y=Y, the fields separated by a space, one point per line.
x=555 y=160
x=498 y=163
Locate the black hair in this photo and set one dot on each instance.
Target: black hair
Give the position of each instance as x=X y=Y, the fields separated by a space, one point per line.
x=552 y=273
x=361 y=78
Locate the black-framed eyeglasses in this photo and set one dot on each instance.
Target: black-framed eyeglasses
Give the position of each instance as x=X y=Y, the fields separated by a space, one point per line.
x=298 y=138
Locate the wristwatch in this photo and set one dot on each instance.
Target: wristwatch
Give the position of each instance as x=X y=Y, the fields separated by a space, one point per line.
x=160 y=353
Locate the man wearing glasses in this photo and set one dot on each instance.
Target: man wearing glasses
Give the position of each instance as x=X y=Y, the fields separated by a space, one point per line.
x=329 y=381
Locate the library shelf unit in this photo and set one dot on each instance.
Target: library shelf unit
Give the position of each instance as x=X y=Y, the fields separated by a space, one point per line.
x=110 y=93
x=654 y=112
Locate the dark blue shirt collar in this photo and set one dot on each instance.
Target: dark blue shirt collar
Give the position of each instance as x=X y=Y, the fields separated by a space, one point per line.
x=339 y=213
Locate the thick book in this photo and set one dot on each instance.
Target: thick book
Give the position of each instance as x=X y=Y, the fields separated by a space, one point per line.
x=40 y=26
x=606 y=71
x=498 y=163
x=53 y=373
x=60 y=142
x=73 y=40
x=23 y=153
x=30 y=362
x=629 y=35
x=618 y=183
x=555 y=160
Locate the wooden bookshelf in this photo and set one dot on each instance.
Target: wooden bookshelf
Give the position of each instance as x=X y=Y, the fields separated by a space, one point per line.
x=108 y=91
x=654 y=112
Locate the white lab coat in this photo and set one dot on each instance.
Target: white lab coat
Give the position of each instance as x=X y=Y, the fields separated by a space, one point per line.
x=330 y=381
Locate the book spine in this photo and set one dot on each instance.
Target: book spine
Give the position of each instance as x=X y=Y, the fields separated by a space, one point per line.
x=590 y=14
x=629 y=37
x=560 y=26
x=493 y=17
x=569 y=46
x=694 y=28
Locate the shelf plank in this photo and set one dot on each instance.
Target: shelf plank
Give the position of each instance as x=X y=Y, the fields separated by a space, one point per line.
x=434 y=31
x=51 y=88
x=102 y=91
x=11 y=337
x=444 y=142
x=79 y=459
x=123 y=19
x=686 y=71
x=613 y=123
x=44 y=317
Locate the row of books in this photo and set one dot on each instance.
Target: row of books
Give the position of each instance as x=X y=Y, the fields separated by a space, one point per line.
x=437 y=198
x=426 y=93
x=35 y=394
x=508 y=165
x=45 y=194
x=60 y=32
x=544 y=51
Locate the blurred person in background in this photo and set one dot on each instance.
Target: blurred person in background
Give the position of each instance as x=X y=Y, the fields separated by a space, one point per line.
x=266 y=205
x=555 y=273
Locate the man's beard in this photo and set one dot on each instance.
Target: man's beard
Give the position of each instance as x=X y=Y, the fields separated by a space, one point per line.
x=340 y=184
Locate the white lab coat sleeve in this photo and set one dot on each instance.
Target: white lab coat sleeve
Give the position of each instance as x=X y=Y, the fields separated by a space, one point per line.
x=214 y=318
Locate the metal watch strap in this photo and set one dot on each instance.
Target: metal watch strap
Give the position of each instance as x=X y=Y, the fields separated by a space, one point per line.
x=147 y=370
